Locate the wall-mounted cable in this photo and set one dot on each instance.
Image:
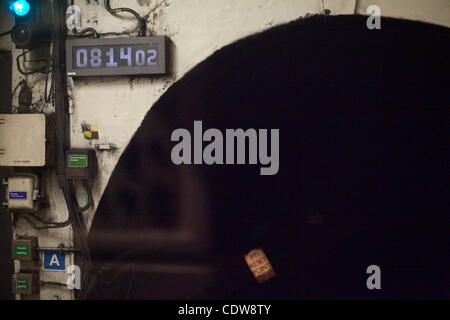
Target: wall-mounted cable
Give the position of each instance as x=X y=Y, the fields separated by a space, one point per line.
x=5 y=33
x=141 y=21
x=60 y=249
x=62 y=142
x=45 y=224
x=84 y=31
x=51 y=283
x=89 y=201
x=25 y=73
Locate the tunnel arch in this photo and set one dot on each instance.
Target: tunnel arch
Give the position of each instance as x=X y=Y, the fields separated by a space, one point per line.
x=363 y=126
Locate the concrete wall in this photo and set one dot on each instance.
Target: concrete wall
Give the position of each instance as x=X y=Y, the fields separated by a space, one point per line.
x=117 y=105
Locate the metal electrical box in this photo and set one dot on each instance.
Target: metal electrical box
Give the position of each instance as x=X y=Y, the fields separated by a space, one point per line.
x=25 y=249
x=25 y=140
x=118 y=56
x=25 y=283
x=81 y=164
x=23 y=193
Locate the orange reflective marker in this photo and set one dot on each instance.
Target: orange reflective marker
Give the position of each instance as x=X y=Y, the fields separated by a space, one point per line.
x=259 y=265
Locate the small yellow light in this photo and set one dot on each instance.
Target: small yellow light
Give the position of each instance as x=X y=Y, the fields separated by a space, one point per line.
x=88 y=134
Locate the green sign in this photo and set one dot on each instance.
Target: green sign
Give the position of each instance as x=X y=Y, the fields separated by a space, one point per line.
x=21 y=250
x=21 y=284
x=77 y=160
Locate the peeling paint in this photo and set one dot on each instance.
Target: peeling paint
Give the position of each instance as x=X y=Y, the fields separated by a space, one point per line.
x=144 y=2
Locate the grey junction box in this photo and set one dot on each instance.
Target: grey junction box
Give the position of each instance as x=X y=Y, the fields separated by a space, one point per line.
x=24 y=249
x=25 y=140
x=25 y=283
x=81 y=164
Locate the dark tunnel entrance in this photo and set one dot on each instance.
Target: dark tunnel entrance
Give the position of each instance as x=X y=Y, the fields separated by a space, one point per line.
x=363 y=123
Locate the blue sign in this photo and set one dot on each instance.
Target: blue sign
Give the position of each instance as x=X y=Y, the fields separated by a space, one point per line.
x=54 y=260
x=17 y=195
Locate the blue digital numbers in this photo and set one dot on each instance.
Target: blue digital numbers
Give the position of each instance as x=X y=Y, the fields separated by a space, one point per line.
x=140 y=57
x=115 y=56
x=151 y=57
x=82 y=60
x=110 y=55
x=96 y=57
x=126 y=56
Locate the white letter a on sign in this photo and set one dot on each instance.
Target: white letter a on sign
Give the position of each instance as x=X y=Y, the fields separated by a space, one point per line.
x=54 y=260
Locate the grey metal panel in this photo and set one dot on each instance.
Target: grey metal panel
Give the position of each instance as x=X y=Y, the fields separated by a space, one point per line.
x=160 y=68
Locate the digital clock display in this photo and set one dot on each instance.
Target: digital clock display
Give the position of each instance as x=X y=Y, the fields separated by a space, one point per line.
x=115 y=56
x=120 y=56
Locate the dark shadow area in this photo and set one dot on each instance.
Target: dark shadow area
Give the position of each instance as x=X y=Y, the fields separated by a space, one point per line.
x=6 y=264
x=363 y=120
